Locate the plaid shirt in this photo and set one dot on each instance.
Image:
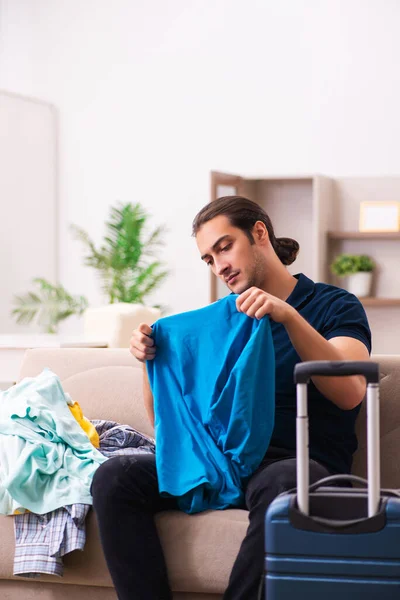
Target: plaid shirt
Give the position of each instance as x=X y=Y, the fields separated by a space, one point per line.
x=42 y=540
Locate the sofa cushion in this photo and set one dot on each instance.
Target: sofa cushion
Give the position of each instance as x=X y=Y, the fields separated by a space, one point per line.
x=108 y=385
x=192 y=545
x=200 y=549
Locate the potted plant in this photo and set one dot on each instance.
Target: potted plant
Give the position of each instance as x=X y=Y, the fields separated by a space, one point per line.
x=125 y=261
x=358 y=269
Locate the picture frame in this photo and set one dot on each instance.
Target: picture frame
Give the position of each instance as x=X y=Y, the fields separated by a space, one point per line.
x=379 y=216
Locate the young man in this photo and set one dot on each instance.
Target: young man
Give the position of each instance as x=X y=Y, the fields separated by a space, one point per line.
x=309 y=321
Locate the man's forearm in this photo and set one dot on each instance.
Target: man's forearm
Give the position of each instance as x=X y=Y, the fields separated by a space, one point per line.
x=345 y=392
x=148 y=396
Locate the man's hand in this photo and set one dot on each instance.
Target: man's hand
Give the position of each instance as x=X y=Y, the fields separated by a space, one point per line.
x=142 y=345
x=256 y=303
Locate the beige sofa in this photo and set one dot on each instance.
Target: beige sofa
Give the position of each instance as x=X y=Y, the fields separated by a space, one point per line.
x=200 y=549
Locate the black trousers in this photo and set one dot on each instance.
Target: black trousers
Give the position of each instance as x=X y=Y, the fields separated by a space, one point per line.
x=126 y=497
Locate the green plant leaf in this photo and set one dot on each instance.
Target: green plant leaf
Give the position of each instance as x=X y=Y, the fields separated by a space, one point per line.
x=122 y=262
x=48 y=306
x=153 y=283
x=95 y=259
x=348 y=264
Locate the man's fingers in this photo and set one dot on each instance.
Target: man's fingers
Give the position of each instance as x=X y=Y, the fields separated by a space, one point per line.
x=146 y=340
x=143 y=356
x=149 y=351
x=254 y=306
x=143 y=348
x=243 y=296
x=142 y=353
x=144 y=328
x=243 y=303
x=142 y=336
x=142 y=345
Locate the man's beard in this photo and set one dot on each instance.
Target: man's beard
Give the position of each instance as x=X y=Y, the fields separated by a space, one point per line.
x=250 y=283
x=255 y=277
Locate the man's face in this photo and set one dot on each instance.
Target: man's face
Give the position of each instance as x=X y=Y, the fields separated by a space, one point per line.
x=230 y=255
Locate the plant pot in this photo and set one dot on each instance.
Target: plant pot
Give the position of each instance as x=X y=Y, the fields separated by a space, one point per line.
x=360 y=284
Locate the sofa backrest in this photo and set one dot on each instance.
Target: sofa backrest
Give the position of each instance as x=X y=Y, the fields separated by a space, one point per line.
x=108 y=385
x=389 y=424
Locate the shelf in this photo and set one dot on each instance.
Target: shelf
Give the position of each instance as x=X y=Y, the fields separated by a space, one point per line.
x=364 y=235
x=372 y=301
x=322 y=214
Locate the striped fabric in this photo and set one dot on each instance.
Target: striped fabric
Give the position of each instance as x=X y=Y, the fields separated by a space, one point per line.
x=116 y=439
x=42 y=540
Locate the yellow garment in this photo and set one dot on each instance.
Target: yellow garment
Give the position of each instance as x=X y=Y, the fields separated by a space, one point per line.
x=86 y=425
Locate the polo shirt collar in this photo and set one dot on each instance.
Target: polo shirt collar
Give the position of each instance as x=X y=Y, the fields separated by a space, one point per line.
x=302 y=290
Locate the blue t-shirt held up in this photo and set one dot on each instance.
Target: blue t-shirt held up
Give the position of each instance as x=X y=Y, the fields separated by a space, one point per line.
x=213 y=386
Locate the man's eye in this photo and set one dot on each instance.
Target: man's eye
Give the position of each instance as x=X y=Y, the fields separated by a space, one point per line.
x=225 y=248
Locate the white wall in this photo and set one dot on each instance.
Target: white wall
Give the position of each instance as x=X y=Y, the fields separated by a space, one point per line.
x=28 y=244
x=153 y=95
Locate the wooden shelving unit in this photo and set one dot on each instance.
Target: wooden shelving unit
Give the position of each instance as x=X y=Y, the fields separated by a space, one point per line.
x=363 y=235
x=369 y=235
x=322 y=214
x=384 y=302
x=300 y=207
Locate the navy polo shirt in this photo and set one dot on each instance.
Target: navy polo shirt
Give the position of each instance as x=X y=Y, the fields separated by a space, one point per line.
x=332 y=312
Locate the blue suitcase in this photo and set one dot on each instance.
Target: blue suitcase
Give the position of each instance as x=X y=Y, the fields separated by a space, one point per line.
x=334 y=543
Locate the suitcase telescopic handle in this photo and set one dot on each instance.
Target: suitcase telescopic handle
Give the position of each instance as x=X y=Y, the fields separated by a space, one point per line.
x=304 y=371
x=302 y=374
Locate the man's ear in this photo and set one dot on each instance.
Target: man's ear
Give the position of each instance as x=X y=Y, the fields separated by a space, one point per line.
x=260 y=232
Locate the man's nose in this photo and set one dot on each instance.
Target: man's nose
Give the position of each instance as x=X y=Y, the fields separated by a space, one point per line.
x=221 y=267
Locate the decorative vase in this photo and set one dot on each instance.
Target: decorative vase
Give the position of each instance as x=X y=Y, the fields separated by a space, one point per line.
x=114 y=323
x=360 y=284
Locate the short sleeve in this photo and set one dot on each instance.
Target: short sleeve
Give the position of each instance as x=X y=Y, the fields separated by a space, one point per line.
x=345 y=316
